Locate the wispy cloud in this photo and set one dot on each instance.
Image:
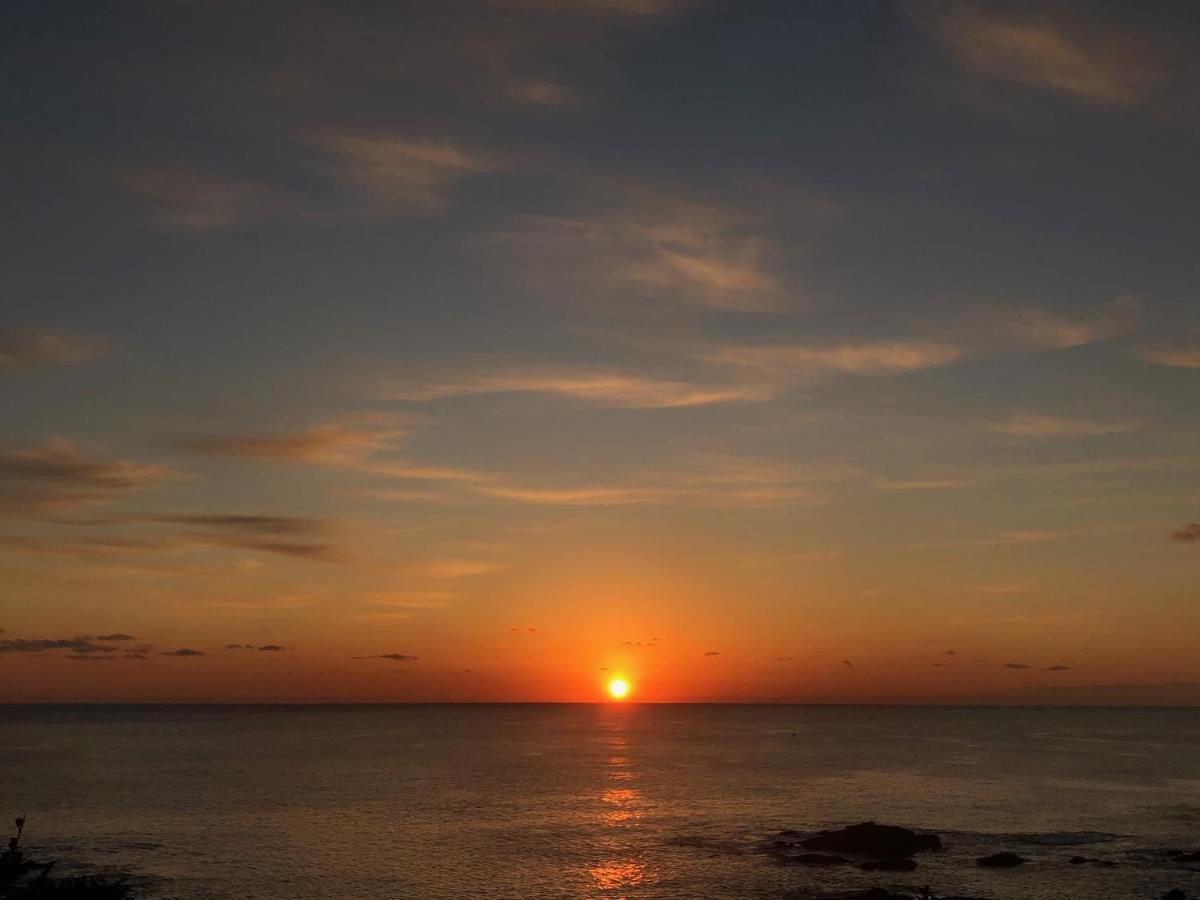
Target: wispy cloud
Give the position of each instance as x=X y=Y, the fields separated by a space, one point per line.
x=61 y=462
x=395 y=657
x=1014 y=666
x=183 y=651
x=268 y=534
x=661 y=251
x=1172 y=357
x=184 y=197
x=1036 y=425
x=919 y=484
x=515 y=55
x=700 y=480
x=57 y=475
x=358 y=175
x=1047 y=51
x=1031 y=536
x=451 y=569
x=585 y=495
x=369 y=450
x=1039 y=328
x=262 y=534
x=78 y=645
x=1188 y=534
x=330 y=444
x=608 y=388
x=395 y=174
x=32 y=348
x=288 y=526
x=787 y=363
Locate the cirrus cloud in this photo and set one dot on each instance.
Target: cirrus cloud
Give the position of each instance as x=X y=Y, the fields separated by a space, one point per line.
x=32 y=348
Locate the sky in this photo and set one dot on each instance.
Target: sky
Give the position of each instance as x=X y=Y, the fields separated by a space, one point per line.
x=485 y=351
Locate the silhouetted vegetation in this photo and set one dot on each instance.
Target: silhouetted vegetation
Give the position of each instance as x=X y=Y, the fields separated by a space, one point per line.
x=23 y=878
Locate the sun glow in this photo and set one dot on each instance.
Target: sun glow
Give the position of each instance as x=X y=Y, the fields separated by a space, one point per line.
x=618 y=688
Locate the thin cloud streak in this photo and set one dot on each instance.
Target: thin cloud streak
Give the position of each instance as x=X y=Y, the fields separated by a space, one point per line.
x=1174 y=358
x=661 y=252
x=1188 y=534
x=1038 y=328
x=1035 y=425
x=398 y=174
x=606 y=388
x=1032 y=536
x=932 y=484
x=322 y=444
x=1047 y=52
x=193 y=199
x=58 y=476
x=34 y=348
x=797 y=362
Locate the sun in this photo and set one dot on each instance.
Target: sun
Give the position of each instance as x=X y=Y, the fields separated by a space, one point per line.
x=618 y=688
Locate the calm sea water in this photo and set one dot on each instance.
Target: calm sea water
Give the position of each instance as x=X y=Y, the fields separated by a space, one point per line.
x=599 y=801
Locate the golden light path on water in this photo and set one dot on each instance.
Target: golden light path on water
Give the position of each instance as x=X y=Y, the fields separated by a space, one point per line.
x=621 y=812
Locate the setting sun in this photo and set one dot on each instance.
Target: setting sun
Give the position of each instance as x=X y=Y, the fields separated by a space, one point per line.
x=618 y=688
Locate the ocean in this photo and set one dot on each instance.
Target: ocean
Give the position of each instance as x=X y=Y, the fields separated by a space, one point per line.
x=564 y=801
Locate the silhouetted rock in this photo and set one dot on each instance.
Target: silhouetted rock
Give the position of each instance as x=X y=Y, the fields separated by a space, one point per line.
x=1004 y=860
x=1186 y=857
x=1102 y=863
x=1175 y=894
x=890 y=864
x=815 y=859
x=18 y=882
x=870 y=839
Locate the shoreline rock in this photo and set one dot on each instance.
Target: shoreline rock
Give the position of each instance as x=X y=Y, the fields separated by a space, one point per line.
x=873 y=840
x=1004 y=860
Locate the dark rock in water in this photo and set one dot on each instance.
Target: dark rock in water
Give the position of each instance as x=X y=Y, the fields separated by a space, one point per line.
x=870 y=839
x=815 y=859
x=1175 y=894
x=1005 y=860
x=1184 y=856
x=1102 y=863
x=890 y=864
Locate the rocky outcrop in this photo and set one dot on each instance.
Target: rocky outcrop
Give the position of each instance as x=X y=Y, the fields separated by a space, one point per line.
x=873 y=840
x=889 y=864
x=1005 y=860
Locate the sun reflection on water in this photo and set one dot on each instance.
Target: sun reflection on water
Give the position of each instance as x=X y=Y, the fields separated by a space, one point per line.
x=622 y=811
x=612 y=875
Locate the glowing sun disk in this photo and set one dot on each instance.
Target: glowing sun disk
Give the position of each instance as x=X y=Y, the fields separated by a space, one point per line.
x=618 y=688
